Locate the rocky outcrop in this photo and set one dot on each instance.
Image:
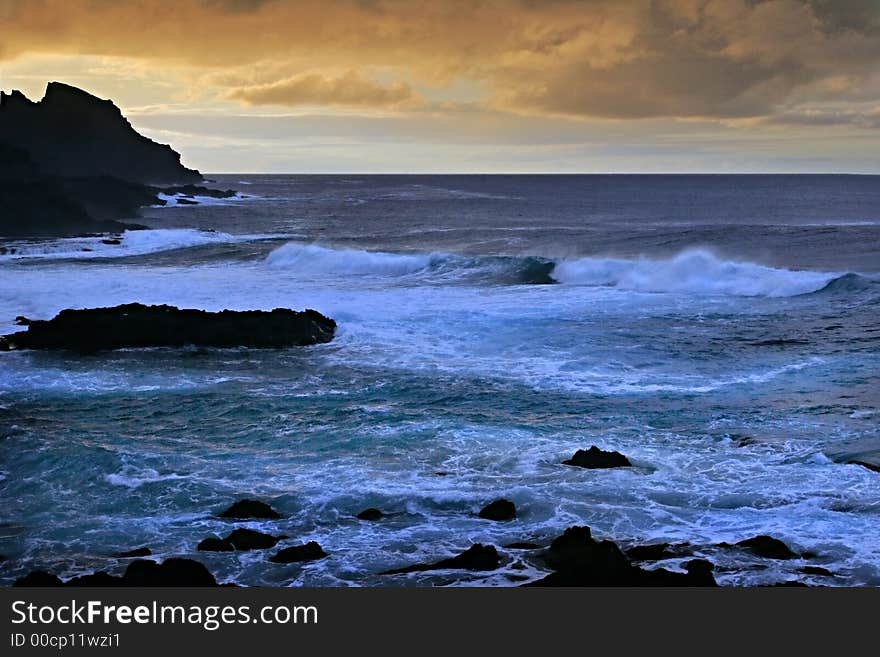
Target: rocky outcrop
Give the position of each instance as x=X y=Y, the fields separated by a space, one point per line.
x=71 y=164
x=240 y=539
x=768 y=547
x=310 y=551
x=500 y=510
x=577 y=559
x=476 y=557
x=71 y=133
x=250 y=509
x=136 y=326
x=597 y=458
x=370 y=514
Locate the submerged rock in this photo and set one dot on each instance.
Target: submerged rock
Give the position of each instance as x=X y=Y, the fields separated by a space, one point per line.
x=38 y=578
x=311 y=551
x=370 y=514
x=499 y=510
x=137 y=552
x=250 y=509
x=136 y=325
x=597 y=458
x=214 y=544
x=476 y=557
x=816 y=570
x=767 y=546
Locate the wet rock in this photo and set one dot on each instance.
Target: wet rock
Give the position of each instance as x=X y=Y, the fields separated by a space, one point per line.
x=577 y=559
x=248 y=539
x=250 y=509
x=652 y=552
x=597 y=458
x=111 y=242
x=370 y=514
x=171 y=572
x=38 y=578
x=137 y=552
x=767 y=546
x=135 y=325
x=476 y=557
x=311 y=551
x=816 y=570
x=500 y=510
x=99 y=578
x=214 y=544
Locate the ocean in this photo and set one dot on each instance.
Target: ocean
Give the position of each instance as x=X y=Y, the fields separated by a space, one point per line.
x=721 y=331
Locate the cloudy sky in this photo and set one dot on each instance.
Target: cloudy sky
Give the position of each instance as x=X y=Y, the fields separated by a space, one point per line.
x=471 y=86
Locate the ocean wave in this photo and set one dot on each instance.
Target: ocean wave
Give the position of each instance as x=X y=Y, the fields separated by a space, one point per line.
x=692 y=271
x=129 y=243
x=439 y=267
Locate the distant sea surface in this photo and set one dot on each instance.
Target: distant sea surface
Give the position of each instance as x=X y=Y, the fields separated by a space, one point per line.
x=723 y=332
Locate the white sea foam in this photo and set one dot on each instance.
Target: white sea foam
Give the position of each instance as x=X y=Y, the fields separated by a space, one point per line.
x=692 y=271
x=314 y=259
x=174 y=200
x=132 y=242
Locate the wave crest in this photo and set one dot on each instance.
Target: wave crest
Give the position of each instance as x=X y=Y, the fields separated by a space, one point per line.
x=694 y=271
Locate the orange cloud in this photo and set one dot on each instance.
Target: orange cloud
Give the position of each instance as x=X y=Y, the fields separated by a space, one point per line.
x=578 y=58
x=350 y=89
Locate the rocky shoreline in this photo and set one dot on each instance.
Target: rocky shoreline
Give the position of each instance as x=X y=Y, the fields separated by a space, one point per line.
x=574 y=558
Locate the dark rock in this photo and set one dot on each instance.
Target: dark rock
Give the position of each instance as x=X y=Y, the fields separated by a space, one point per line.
x=597 y=458
x=38 y=578
x=214 y=544
x=870 y=466
x=171 y=572
x=71 y=163
x=99 y=578
x=370 y=514
x=816 y=570
x=500 y=510
x=768 y=547
x=248 y=539
x=579 y=560
x=476 y=557
x=187 y=201
x=137 y=552
x=522 y=545
x=250 y=509
x=111 y=242
x=653 y=552
x=308 y=552
x=198 y=190
x=72 y=133
x=135 y=325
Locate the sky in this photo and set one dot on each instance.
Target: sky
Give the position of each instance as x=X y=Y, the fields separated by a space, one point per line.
x=445 y=86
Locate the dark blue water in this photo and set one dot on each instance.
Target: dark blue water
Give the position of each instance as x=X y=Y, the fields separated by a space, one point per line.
x=488 y=327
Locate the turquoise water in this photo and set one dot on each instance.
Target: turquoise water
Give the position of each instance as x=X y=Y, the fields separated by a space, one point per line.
x=458 y=377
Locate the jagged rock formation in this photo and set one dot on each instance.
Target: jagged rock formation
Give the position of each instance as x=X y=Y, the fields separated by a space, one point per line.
x=71 y=133
x=71 y=164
